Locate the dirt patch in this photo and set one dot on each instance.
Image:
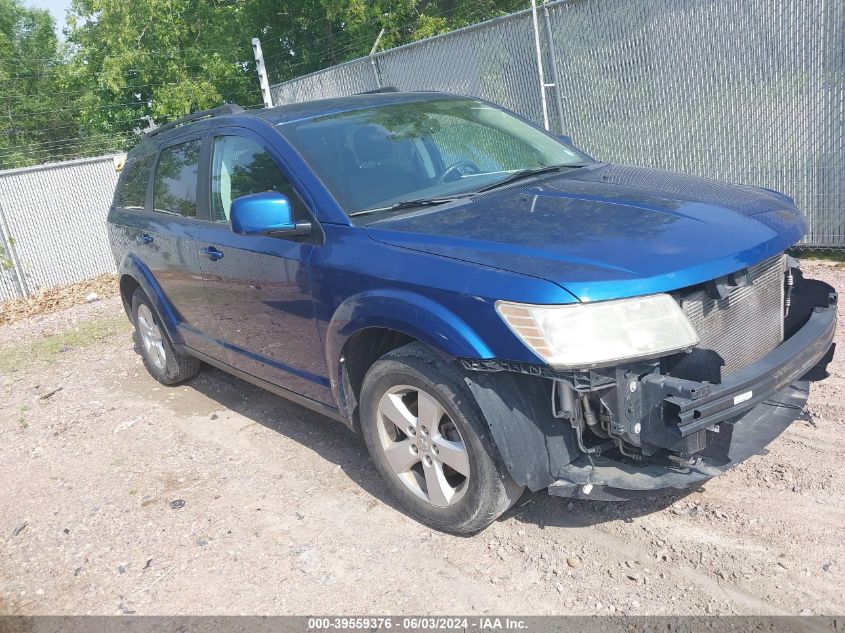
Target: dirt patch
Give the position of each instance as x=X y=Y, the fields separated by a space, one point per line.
x=217 y=497
x=53 y=300
x=48 y=347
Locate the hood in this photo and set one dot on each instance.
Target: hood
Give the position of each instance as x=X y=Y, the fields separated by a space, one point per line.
x=607 y=231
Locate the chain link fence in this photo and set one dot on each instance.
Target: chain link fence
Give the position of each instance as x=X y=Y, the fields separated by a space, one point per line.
x=53 y=224
x=746 y=91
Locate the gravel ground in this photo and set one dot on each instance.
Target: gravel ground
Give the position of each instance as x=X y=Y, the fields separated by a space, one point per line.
x=119 y=495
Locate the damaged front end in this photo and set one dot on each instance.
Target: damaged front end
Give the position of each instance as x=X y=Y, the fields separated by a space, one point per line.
x=672 y=422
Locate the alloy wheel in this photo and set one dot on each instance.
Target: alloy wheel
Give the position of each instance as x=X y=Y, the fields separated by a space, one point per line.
x=423 y=445
x=151 y=338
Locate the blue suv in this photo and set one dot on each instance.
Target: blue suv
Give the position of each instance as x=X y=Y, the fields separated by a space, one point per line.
x=490 y=308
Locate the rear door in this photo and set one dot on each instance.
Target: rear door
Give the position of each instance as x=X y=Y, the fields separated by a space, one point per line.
x=167 y=239
x=258 y=286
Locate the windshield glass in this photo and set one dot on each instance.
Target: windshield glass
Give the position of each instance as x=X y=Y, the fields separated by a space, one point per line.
x=376 y=157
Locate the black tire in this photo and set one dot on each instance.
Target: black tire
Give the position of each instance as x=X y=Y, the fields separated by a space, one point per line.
x=177 y=367
x=489 y=490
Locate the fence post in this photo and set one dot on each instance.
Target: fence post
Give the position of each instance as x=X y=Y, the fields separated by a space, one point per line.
x=553 y=54
x=373 y=59
x=262 y=72
x=9 y=247
x=539 y=53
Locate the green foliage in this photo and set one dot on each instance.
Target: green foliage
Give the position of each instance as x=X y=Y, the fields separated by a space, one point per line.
x=125 y=64
x=30 y=55
x=5 y=258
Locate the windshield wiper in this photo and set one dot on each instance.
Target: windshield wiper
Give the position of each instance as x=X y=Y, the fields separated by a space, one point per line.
x=409 y=204
x=426 y=202
x=522 y=174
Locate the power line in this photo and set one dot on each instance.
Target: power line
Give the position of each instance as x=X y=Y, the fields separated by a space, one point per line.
x=111 y=106
x=65 y=152
x=355 y=44
x=124 y=88
x=317 y=41
x=60 y=61
x=130 y=87
x=125 y=70
x=60 y=146
x=65 y=141
x=80 y=124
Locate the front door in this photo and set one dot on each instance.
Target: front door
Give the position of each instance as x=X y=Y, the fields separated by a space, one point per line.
x=258 y=287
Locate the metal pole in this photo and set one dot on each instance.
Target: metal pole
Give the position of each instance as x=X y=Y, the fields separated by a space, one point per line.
x=553 y=54
x=539 y=54
x=9 y=246
x=262 y=73
x=373 y=59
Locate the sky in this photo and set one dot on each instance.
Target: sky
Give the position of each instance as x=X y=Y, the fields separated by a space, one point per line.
x=57 y=7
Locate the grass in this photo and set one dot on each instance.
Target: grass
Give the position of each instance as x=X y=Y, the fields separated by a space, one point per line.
x=22 y=421
x=48 y=349
x=824 y=255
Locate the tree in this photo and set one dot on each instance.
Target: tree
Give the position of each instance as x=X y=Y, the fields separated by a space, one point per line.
x=302 y=37
x=153 y=60
x=127 y=65
x=36 y=119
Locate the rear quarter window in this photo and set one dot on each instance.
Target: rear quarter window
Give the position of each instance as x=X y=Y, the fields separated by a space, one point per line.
x=133 y=191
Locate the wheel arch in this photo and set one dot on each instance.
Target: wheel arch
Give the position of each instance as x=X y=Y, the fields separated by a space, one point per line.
x=134 y=274
x=368 y=325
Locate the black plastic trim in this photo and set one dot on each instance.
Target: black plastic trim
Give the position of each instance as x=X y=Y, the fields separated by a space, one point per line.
x=737 y=441
x=703 y=404
x=224 y=110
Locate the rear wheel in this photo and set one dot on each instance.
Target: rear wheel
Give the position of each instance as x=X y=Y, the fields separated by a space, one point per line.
x=161 y=359
x=430 y=444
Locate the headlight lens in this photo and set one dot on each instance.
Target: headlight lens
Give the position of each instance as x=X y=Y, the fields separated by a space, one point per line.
x=591 y=334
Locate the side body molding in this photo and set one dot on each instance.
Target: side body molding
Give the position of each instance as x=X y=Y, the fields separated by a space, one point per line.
x=403 y=311
x=135 y=268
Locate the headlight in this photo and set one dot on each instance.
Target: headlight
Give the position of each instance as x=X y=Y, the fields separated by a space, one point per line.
x=591 y=334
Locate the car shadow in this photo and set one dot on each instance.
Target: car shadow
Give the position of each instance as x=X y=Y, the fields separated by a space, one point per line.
x=339 y=445
x=329 y=438
x=544 y=510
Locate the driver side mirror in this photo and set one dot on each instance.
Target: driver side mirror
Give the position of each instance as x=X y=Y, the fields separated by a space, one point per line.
x=566 y=139
x=266 y=213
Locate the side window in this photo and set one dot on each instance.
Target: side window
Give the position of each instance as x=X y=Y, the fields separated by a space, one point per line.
x=240 y=167
x=175 y=185
x=133 y=193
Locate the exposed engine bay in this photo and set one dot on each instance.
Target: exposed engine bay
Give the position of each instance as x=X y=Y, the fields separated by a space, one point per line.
x=672 y=421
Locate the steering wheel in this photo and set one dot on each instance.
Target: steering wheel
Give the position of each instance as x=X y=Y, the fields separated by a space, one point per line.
x=455 y=168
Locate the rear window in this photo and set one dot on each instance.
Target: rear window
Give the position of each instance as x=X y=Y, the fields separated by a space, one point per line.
x=175 y=187
x=134 y=191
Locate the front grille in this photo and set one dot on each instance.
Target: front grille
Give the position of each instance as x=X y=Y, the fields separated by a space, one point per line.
x=746 y=325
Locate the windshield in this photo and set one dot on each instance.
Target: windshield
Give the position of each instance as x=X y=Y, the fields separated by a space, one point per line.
x=374 y=158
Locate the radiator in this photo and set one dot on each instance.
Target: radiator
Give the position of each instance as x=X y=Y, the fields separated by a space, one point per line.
x=746 y=325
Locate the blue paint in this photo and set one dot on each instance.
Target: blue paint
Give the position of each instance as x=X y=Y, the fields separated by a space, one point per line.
x=283 y=309
x=260 y=213
x=607 y=232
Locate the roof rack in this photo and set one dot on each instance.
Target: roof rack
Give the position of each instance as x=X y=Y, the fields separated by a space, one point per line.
x=228 y=108
x=379 y=90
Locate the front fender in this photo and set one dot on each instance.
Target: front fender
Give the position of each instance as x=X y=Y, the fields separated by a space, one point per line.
x=406 y=312
x=137 y=270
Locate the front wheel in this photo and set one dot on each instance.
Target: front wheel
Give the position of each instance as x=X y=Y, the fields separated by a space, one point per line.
x=429 y=442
